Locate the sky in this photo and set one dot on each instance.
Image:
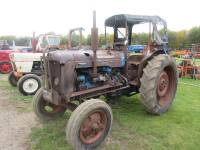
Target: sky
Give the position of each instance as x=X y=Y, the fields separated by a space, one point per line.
x=22 y=17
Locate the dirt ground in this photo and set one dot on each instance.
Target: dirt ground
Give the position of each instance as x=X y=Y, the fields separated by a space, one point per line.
x=15 y=126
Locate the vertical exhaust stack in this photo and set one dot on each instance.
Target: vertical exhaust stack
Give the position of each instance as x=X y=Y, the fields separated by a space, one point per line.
x=34 y=43
x=94 y=43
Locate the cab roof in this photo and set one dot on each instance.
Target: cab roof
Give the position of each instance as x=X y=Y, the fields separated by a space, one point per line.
x=121 y=20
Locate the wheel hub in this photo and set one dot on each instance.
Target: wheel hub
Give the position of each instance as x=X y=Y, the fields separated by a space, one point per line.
x=163 y=84
x=30 y=85
x=50 y=108
x=5 y=68
x=93 y=127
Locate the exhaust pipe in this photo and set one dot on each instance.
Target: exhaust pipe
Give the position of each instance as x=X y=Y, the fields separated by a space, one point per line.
x=94 y=43
x=34 y=43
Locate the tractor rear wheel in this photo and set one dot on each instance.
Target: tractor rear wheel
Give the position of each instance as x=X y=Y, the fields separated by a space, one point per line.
x=12 y=79
x=44 y=110
x=158 y=84
x=89 y=124
x=5 y=67
x=29 y=84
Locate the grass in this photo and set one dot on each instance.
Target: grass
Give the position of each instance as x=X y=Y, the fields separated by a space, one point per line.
x=133 y=128
x=23 y=103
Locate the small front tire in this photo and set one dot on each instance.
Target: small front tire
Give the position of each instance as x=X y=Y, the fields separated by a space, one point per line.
x=29 y=84
x=44 y=110
x=89 y=124
x=12 y=79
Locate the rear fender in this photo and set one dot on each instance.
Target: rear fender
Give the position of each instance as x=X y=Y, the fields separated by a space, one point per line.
x=144 y=62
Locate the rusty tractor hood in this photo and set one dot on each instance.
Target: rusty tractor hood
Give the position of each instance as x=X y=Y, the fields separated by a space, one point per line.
x=84 y=58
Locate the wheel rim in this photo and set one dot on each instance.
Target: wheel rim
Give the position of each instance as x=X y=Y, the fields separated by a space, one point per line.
x=166 y=86
x=5 y=68
x=30 y=85
x=93 y=127
x=163 y=84
x=48 y=108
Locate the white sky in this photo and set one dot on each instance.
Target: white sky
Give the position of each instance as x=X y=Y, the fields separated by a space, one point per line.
x=22 y=17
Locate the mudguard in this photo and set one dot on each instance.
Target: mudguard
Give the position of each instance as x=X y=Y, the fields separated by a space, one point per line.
x=145 y=61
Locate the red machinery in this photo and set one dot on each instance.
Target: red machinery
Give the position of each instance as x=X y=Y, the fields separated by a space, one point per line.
x=196 y=50
x=187 y=68
x=5 y=65
x=182 y=52
x=5 y=50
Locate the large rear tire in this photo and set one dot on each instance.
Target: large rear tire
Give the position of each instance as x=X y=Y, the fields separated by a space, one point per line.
x=12 y=79
x=44 y=110
x=89 y=125
x=158 y=84
x=29 y=84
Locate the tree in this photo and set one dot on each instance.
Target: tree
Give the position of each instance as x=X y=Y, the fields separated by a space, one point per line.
x=194 y=35
x=23 y=41
x=172 y=39
x=140 y=38
x=64 y=40
x=101 y=39
x=9 y=39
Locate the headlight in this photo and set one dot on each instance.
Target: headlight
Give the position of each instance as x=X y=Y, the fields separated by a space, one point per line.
x=56 y=81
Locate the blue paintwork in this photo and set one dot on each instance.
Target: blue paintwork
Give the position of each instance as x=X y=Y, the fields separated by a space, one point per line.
x=88 y=84
x=81 y=78
x=106 y=70
x=122 y=60
x=136 y=48
x=84 y=81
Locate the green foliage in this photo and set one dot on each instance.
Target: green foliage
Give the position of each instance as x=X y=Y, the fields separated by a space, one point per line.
x=172 y=39
x=88 y=39
x=22 y=103
x=179 y=39
x=194 y=35
x=22 y=41
x=102 y=40
x=8 y=38
x=64 y=40
x=75 y=40
x=140 y=38
x=19 y=41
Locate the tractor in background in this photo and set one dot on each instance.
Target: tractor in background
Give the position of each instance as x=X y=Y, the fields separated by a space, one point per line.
x=188 y=68
x=27 y=71
x=196 y=50
x=27 y=66
x=5 y=50
x=74 y=79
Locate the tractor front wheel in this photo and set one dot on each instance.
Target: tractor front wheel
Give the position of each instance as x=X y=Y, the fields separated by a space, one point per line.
x=44 y=110
x=5 y=67
x=29 y=84
x=12 y=79
x=89 y=124
x=158 y=84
